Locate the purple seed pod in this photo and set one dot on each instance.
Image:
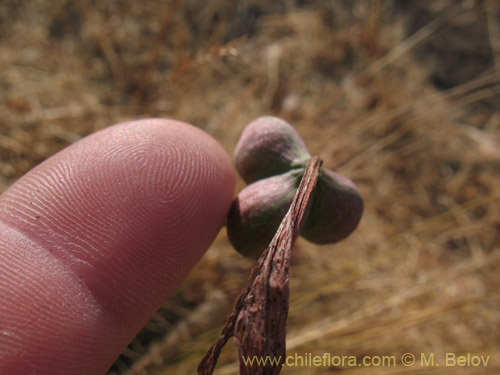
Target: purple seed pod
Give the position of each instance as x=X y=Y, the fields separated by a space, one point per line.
x=269 y=146
x=335 y=209
x=271 y=156
x=257 y=211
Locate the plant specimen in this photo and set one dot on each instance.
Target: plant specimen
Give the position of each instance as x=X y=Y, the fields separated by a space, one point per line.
x=289 y=194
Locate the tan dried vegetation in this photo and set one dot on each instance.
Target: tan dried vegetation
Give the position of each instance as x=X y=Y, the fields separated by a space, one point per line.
x=402 y=97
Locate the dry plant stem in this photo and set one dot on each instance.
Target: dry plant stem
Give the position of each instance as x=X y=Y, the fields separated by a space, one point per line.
x=258 y=320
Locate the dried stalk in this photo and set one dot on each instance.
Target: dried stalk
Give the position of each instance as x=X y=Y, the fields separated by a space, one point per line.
x=258 y=320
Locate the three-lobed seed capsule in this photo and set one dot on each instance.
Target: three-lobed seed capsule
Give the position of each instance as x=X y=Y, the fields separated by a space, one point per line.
x=271 y=157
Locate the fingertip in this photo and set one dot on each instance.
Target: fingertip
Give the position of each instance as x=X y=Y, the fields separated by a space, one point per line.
x=127 y=212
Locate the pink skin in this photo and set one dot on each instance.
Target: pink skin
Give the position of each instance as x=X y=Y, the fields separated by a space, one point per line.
x=93 y=241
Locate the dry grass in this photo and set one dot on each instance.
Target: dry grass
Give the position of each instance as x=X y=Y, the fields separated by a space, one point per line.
x=400 y=96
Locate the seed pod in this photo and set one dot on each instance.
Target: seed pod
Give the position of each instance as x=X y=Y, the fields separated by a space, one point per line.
x=335 y=209
x=257 y=211
x=269 y=146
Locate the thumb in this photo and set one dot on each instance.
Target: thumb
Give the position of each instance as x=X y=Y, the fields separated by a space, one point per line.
x=94 y=240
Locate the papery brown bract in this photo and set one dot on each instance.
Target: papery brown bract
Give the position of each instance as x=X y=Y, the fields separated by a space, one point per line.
x=258 y=320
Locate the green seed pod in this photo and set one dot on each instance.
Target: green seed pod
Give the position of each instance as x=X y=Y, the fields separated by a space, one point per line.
x=335 y=209
x=257 y=211
x=269 y=146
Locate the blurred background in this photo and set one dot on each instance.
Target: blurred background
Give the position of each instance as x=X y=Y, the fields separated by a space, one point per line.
x=402 y=97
